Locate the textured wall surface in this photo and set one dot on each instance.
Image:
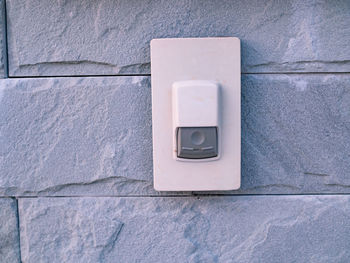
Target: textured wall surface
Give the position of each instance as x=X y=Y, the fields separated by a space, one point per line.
x=83 y=136
x=185 y=229
x=9 y=238
x=76 y=151
x=76 y=136
x=49 y=38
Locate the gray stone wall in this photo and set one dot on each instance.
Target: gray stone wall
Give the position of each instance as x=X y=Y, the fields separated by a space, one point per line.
x=75 y=134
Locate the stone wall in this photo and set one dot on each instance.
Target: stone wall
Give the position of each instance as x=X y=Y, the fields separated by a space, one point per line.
x=76 y=137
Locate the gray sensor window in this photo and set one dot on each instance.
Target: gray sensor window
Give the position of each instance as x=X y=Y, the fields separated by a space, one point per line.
x=197 y=142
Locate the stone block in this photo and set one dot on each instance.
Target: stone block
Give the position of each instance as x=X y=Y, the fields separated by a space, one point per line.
x=186 y=229
x=89 y=135
x=295 y=131
x=112 y=37
x=92 y=136
x=9 y=238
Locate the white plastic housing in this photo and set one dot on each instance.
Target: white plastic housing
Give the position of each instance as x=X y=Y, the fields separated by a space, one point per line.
x=195 y=103
x=212 y=60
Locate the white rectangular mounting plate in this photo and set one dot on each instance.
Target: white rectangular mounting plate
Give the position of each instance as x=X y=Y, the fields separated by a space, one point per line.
x=183 y=59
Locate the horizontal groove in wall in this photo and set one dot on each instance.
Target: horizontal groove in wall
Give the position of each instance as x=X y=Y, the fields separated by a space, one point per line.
x=172 y=196
x=80 y=76
x=292 y=72
x=148 y=75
